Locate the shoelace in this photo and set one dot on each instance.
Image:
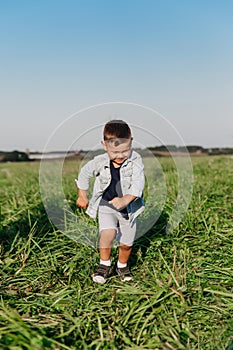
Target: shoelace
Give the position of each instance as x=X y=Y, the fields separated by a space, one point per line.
x=125 y=271
x=102 y=270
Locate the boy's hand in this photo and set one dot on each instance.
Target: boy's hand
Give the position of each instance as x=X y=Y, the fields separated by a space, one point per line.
x=82 y=201
x=120 y=203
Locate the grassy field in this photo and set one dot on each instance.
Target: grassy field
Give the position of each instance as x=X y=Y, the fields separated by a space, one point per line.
x=182 y=297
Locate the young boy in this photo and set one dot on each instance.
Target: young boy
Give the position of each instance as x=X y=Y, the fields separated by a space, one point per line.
x=117 y=196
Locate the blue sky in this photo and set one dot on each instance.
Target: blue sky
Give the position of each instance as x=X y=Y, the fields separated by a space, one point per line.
x=58 y=57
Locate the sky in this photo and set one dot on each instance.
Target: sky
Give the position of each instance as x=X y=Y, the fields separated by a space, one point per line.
x=60 y=57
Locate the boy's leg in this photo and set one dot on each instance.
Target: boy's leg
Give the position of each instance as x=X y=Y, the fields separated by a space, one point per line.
x=124 y=253
x=106 y=238
x=123 y=270
x=128 y=231
x=108 y=229
x=105 y=244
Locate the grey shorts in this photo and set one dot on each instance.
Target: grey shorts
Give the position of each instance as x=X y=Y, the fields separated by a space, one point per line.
x=110 y=218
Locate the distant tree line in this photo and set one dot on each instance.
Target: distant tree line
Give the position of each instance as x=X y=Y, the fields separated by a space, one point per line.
x=192 y=149
x=14 y=156
x=160 y=151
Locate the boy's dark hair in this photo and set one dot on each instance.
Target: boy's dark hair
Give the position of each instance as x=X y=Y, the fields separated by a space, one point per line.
x=116 y=129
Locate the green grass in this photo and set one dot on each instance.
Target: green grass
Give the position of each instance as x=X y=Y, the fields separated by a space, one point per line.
x=182 y=297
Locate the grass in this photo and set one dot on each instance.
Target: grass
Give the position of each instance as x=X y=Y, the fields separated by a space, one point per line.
x=182 y=297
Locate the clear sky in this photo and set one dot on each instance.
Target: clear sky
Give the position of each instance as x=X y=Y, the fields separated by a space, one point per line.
x=57 y=57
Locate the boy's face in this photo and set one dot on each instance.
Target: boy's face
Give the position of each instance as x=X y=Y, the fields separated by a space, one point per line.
x=118 y=149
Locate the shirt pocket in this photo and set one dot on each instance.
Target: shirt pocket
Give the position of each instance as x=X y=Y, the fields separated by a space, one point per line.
x=127 y=178
x=128 y=172
x=104 y=181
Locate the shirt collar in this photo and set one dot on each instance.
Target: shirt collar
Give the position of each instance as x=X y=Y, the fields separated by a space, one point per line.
x=128 y=160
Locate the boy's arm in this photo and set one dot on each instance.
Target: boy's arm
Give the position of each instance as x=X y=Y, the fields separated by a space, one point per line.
x=86 y=172
x=82 y=201
x=122 y=202
x=138 y=178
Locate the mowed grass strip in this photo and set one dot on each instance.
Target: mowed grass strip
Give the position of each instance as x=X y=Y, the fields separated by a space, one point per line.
x=182 y=297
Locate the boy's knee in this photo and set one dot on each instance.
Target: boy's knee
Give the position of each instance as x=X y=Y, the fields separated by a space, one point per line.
x=125 y=247
x=107 y=235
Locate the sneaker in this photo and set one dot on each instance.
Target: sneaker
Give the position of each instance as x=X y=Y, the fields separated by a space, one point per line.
x=102 y=273
x=124 y=274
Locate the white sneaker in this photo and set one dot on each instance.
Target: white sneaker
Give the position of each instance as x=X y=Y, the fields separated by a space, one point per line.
x=124 y=274
x=102 y=273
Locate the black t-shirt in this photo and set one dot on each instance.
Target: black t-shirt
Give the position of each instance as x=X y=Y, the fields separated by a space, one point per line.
x=114 y=189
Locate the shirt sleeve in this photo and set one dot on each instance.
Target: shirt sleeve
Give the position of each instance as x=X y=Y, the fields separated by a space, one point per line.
x=138 y=178
x=85 y=174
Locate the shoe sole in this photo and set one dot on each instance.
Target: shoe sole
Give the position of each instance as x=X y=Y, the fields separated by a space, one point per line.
x=99 y=279
x=124 y=278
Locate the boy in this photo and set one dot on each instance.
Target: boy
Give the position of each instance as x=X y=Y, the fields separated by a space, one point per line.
x=117 y=196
